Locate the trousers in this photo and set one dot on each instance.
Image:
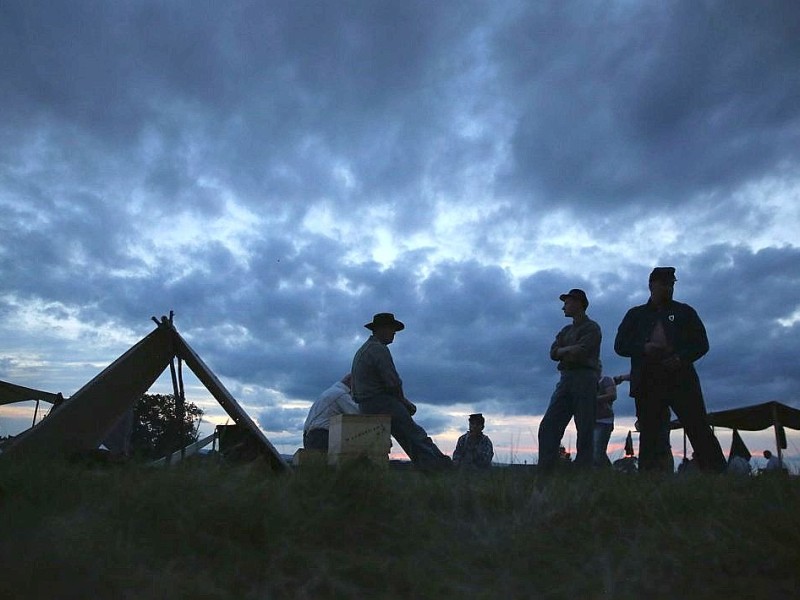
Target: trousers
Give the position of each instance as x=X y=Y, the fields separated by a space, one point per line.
x=411 y=437
x=679 y=390
x=602 y=433
x=575 y=397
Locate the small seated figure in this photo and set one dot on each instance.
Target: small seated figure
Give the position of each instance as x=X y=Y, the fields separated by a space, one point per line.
x=474 y=449
x=774 y=464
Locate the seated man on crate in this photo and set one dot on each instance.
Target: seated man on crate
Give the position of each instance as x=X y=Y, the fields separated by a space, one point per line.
x=378 y=390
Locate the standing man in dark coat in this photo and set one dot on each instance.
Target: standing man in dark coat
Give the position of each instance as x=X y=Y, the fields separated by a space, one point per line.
x=577 y=351
x=378 y=390
x=663 y=339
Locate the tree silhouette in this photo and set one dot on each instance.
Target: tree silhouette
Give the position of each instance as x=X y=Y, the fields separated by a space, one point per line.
x=157 y=431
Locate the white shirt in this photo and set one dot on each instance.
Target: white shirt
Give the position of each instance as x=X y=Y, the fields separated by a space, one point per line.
x=336 y=400
x=738 y=465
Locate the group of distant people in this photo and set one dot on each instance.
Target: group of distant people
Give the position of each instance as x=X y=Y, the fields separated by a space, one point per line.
x=740 y=465
x=662 y=338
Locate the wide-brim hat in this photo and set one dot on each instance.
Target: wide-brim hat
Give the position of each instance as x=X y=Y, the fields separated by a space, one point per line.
x=384 y=319
x=579 y=295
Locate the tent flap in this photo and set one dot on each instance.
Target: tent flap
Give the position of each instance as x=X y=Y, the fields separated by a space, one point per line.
x=226 y=400
x=81 y=422
x=10 y=392
x=756 y=417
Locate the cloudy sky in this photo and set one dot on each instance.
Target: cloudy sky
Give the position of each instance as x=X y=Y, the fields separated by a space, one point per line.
x=276 y=173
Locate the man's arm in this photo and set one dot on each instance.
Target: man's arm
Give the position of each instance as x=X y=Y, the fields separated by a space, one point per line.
x=609 y=391
x=485 y=453
x=696 y=338
x=587 y=343
x=410 y=406
x=555 y=347
x=391 y=379
x=346 y=404
x=561 y=351
x=392 y=384
x=626 y=344
x=458 y=453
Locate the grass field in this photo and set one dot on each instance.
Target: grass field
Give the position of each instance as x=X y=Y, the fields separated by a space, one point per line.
x=205 y=530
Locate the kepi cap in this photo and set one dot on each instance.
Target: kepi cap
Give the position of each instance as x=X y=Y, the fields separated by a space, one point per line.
x=663 y=274
x=578 y=294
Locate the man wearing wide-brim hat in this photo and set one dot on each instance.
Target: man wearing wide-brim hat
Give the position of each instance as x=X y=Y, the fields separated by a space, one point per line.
x=378 y=390
x=663 y=338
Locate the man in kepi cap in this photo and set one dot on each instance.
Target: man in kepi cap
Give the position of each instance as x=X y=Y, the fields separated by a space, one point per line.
x=474 y=449
x=378 y=390
x=663 y=339
x=577 y=351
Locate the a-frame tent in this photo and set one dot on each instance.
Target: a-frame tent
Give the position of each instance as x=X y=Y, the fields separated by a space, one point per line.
x=81 y=422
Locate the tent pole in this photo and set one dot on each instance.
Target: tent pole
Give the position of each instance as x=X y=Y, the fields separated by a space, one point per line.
x=178 y=416
x=775 y=425
x=182 y=411
x=35 y=412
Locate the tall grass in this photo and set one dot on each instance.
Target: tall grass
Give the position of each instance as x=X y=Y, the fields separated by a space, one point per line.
x=206 y=530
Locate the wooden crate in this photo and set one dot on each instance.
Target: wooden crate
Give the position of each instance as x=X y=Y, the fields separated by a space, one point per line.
x=353 y=436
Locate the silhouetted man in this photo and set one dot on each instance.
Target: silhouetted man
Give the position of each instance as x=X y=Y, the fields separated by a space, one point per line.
x=474 y=449
x=336 y=400
x=577 y=350
x=773 y=463
x=663 y=338
x=378 y=390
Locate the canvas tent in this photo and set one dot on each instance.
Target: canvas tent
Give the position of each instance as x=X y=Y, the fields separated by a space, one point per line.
x=81 y=422
x=756 y=418
x=738 y=447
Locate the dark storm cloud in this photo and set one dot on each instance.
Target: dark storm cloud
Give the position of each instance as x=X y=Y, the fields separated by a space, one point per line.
x=651 y=101
x=266 y=99
x=753 y=354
